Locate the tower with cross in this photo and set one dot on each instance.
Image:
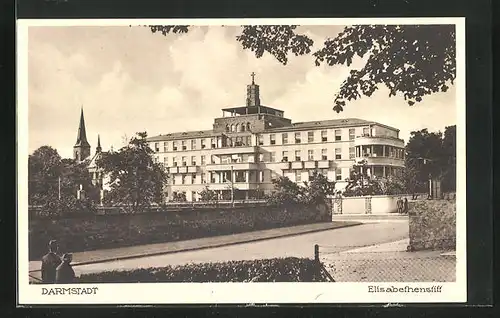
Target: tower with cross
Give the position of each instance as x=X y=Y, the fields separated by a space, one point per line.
x=253 y=98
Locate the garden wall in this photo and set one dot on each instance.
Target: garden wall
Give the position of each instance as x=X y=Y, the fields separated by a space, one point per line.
x=376 y=204
x=91 y=231
x=432 y=224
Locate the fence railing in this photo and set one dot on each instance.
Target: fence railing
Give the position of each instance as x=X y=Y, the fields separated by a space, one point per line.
x=171 y=206
x=373 y=263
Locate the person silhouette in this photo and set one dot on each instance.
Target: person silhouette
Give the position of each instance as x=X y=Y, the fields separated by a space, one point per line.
x=50 y=261
x=64 y=272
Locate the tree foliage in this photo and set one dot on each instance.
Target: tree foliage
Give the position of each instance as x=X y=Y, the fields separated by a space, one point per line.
x=46 y=169
x=135 y=179
x=207 y=195
x=360 y=183
x=432 y=154
x=318 y=188
x=414 y=60
x=411 y=60
x=316 y=191
x=179 y=196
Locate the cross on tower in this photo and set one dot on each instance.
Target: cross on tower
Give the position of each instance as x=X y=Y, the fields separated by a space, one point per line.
x=253 y=77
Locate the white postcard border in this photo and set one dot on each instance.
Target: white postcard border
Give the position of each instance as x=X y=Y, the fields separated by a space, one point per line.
x=205 y=293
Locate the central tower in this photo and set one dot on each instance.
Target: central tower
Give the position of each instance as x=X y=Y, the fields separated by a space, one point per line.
x=81 y=150
x=253 y=98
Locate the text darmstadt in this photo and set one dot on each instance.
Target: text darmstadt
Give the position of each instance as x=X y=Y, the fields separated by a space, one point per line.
x=69 y=291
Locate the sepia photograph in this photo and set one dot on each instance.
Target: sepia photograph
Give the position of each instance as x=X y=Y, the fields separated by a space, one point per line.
x=299 y=160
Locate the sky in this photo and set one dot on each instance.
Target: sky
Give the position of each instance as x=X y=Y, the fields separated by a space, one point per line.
x=128 y=79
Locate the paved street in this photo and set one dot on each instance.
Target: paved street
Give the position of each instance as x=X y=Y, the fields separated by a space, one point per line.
x=299 y=246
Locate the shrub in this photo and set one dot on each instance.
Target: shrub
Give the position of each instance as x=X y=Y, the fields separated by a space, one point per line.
x=289 y=269
x=68 y=205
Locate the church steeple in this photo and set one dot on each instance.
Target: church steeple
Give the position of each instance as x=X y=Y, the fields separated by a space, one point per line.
x=253 y=98
x=98 y=148
x=81 y=149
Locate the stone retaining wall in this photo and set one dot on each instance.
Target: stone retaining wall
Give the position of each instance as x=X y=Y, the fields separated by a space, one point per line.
x=99 y=231
x=432 y=225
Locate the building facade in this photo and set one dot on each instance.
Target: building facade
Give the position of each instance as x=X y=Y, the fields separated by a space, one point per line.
x=251 y=145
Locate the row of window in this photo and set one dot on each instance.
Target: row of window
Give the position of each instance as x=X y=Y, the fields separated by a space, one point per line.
x=182 y=145
x=310 y=136
x=299 y=174
x=268 y=157
x=241 y=177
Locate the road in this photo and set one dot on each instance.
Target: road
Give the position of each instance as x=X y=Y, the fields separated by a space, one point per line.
x=298 y=246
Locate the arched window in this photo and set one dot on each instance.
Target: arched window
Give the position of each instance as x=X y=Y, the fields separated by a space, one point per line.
x=243 y=127
x=248 y=126
x=238 y=127
x=227 y=127
x=233 y=128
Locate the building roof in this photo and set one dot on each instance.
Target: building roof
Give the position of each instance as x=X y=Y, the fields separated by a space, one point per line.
x=243 y=110
x=185 y=135
x=334 y=123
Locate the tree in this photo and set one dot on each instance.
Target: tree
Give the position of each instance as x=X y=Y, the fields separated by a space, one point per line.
x=412 y=60
x=44 y=170
x=315 y=191
x=179 y=196
x=449 y=161
x=207 y=195
x=432 y=154
x=75 y=174
x=412 y=183
x=136 y=180
x=319 y=188
x=48 y=173
x=359 y=182
x=424 y=153
x=286 y=192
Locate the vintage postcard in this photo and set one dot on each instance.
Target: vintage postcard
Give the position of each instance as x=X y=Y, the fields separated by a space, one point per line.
x=241 y=161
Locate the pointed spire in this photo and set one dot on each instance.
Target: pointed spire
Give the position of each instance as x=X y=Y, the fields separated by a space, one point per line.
x=98 y=148
x=81 y=138
x=81 y=150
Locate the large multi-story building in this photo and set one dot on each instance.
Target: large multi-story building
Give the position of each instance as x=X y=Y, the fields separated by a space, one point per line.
x=251 y=145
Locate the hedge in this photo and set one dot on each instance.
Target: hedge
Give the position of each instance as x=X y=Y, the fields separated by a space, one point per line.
x=290 y=269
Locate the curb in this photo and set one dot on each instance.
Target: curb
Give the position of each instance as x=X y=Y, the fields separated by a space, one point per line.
x=207 y=247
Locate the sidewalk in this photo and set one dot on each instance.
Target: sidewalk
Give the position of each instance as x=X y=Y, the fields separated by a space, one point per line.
x=371 y=218
x=99 y=256
x=390 y=262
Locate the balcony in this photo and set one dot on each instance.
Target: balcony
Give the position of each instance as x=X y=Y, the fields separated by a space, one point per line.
x=236 y=185
x=192 y=169
x=282 y=165
x=310 y=164
x=380 y=140
x=297 y=165
x=233 y=150
x=236 y=166
x=324 y=164
x=173 y=170
x=382 y=161
x=183 y=169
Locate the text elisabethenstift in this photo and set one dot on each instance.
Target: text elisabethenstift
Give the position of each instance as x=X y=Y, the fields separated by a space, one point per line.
x=69 y=291
x=406 y=289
